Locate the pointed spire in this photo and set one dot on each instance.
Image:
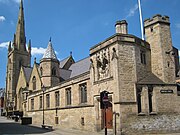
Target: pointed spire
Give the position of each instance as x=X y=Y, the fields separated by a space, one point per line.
x=49 y=53
x=20 y=29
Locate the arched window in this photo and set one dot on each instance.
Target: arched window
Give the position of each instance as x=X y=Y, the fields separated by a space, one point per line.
x=34 y=82
x=54 y=71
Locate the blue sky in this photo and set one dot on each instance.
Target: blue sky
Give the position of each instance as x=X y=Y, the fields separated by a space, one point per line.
x=77 y=25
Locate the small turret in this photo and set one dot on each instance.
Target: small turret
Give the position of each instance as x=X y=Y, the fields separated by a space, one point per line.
x=50 y=65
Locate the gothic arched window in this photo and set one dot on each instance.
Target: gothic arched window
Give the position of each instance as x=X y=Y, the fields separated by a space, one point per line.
x=34 y=82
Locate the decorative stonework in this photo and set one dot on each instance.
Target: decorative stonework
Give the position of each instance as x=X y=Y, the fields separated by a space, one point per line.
x=103 y=64
x=114 y=54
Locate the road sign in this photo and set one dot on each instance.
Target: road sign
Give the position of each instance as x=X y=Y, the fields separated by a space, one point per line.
x=105 y=99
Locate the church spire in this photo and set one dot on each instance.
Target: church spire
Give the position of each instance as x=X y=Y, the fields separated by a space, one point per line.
x=20 y=30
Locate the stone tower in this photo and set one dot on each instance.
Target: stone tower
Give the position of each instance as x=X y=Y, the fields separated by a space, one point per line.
x=157 y=31
x=18 y=56
x=49 y=67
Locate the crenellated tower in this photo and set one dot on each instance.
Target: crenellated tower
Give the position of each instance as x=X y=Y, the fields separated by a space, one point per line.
x=18 y=56
x=157 y=32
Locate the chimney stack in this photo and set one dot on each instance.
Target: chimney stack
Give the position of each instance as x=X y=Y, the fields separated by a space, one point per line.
x=121 y=27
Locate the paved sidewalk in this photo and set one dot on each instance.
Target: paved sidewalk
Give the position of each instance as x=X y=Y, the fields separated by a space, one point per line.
x=8 y=127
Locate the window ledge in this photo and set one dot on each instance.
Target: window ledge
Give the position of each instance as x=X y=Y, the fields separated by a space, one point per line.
x=153 y=113
x=141 y=114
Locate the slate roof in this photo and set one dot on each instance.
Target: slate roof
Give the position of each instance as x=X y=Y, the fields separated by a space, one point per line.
x=27 y=71
x=80 y=67
x=150 y=78
x=49 y=53
x=65 y=74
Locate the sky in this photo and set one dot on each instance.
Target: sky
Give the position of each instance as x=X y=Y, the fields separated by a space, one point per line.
x=77 y=25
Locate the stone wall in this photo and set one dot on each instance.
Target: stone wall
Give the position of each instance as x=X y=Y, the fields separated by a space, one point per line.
x=161 y=123
x=67 y=118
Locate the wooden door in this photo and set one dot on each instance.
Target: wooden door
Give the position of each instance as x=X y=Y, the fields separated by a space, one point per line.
x=109 y=117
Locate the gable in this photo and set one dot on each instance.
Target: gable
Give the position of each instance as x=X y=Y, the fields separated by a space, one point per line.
x=35 y=74
x=67 y=62
x=22 y=82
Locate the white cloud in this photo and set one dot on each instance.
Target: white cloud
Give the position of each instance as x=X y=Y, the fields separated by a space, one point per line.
x=132 y=11
x=17 y=1
x=38 y=51
x=4 y=45
x=9 y=1
x=178 y=25
x=2 y=18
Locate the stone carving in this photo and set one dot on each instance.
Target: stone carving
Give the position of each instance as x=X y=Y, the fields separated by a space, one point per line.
x=114 y=54
x=102 y=65
x=92 y=64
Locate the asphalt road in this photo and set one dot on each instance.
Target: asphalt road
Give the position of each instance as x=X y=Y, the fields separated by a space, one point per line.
x=10 y=127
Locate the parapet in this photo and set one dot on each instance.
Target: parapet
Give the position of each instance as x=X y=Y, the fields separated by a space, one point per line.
x=156 y=19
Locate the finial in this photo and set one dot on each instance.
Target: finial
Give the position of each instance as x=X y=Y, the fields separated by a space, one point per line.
x=70 y=53
x=21 y=4
x=50 y=39
x=35 y=60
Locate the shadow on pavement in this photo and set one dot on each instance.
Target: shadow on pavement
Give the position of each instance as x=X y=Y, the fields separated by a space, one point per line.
x=16 y=128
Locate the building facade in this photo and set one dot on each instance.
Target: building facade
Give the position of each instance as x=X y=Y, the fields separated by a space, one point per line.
x=139 y=76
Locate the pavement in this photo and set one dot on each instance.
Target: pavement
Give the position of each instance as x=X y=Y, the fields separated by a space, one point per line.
x=9 y=126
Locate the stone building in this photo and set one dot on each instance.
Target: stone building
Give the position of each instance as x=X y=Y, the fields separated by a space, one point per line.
x=139 y=76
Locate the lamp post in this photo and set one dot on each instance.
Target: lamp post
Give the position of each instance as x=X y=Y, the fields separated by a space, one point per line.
x=43 y=89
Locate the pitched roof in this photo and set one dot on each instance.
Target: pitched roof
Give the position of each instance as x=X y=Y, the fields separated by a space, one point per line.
x=80 y=67
x=65 y=74
x=63 y=62
x=27 y=72
x=49 y=53
x=150 y=78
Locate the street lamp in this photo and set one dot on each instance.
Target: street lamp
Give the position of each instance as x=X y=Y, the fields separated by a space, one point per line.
x=43 y=89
